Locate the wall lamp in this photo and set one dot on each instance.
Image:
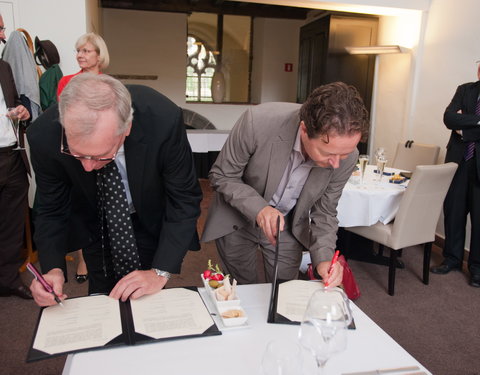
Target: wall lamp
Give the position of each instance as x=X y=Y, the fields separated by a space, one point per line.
x=375 y=50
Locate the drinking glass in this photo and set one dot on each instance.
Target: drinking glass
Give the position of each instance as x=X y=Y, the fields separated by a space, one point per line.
x=363 y=160
x=381 y=162
x=323 y=331
x=282 y=357
x=379 y=152
x=15 y=122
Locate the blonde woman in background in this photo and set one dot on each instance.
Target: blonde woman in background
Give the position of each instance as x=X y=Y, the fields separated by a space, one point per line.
x=92 y=57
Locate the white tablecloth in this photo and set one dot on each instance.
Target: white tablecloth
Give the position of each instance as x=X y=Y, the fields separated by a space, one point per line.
x=239 y=351
x=206 y=140
x=366 y=204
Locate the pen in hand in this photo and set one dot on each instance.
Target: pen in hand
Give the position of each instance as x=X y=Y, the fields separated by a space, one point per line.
x=42 y=281
x=334 y=260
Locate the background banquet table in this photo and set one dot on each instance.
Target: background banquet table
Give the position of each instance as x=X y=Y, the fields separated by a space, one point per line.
x=368 y=203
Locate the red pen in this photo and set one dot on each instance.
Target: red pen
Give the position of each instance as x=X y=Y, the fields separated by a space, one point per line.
x=334 y=260
x=42 y=281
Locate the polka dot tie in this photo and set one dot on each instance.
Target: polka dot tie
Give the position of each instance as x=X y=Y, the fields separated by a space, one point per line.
x=114 y=211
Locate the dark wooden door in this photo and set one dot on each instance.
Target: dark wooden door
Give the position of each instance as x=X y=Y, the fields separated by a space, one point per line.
x=312 y=57
x=323 y=58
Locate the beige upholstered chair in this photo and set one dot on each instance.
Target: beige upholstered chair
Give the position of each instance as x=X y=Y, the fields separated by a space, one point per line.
x=417 y=217
x=407 y=158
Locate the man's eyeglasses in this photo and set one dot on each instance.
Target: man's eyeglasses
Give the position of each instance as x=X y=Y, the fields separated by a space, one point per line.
x=64 y=149
x=2 y=28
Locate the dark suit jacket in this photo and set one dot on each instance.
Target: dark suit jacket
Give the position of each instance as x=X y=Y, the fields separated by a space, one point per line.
x=8 y=85
x=465 y=99
x=161 y=176
x=11 y=97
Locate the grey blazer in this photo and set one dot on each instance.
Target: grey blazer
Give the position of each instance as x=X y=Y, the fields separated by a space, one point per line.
x=248 y=171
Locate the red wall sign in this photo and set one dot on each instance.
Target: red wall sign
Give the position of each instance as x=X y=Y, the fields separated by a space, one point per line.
x=288 y=67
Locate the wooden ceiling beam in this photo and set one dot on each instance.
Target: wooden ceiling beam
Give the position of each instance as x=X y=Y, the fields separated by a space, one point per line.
x=210 y=6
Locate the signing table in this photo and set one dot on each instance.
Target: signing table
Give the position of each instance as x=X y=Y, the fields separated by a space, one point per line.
x=368 y=203
x=239 y=350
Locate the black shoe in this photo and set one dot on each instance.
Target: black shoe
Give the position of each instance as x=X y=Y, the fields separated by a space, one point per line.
x=81 y=278
x=22 y=291
x=443 y=269
x=475 y=280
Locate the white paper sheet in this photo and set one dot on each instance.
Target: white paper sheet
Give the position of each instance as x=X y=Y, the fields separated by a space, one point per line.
x=82 y=323
x=170 y=313
x=293 y=298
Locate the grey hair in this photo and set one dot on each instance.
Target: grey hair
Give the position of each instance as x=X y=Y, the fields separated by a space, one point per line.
x=96 y=93
x=99 y=45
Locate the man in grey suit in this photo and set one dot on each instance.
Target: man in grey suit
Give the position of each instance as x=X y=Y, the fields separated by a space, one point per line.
x=289 y=161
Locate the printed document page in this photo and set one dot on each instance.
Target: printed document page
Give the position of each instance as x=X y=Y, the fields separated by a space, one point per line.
x=293 y=298
x=170 y=313
x=81 y=323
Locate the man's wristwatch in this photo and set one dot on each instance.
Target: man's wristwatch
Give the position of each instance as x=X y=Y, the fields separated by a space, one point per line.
x=166 y=274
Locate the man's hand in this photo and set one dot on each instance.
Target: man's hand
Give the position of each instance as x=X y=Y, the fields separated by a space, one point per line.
x=22 y=113
x=138 y=283
x=267 y=221
x=56 y=279
x=332 y=278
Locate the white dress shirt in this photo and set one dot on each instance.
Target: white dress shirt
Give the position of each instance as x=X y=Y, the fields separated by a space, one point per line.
x=7 y=136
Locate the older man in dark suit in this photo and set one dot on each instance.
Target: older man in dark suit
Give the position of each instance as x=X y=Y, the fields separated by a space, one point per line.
x=93 y=160
x=462 y=117
x=13 y=186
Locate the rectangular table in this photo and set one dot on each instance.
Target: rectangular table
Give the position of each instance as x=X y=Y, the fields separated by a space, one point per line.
x=239 y=351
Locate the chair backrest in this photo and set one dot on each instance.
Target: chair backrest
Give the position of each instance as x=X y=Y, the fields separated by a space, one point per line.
x=420 y=208
x=408 y=158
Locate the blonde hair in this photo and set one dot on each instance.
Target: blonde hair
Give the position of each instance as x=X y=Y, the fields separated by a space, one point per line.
x=99 y=45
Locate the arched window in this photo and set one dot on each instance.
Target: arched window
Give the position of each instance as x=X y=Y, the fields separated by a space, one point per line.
x=201 y=64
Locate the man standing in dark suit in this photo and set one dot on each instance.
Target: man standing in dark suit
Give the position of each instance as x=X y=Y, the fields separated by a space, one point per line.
x=462 y=116
x=76 y=150
x=13 y=186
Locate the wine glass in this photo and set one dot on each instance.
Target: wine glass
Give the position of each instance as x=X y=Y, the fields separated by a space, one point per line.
x=381 y=162
x=380 y=151
x=323 y=331
x=12 y=114
x=363 y=160
x=282 y=357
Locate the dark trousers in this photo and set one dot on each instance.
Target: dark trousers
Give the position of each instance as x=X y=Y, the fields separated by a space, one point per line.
x=98 y=258
x=13 y=206
x=463 y=197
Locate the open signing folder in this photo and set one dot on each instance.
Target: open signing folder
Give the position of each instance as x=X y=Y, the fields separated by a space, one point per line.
x=96 y=322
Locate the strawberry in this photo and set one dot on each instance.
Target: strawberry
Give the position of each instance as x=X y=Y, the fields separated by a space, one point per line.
x=217 y=277
x=213 y=273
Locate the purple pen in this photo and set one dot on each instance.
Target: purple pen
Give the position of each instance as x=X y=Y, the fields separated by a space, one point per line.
x=42 y=281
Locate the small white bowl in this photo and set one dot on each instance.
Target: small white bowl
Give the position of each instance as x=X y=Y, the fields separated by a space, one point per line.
x=229 y=322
